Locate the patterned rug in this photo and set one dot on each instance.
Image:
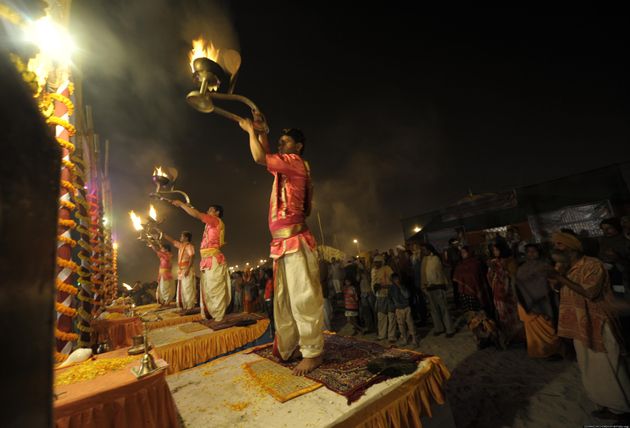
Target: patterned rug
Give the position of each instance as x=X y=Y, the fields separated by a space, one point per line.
x=232 y=320
x=344 y=370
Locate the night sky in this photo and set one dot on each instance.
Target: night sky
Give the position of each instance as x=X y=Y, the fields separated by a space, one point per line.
x=403 y=111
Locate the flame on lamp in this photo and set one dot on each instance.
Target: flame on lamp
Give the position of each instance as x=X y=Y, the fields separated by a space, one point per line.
x=157 y=172
x=153 y=212
x=202 y=49
x=137 y=222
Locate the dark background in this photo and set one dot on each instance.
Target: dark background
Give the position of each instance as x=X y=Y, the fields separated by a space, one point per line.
x=404 y=111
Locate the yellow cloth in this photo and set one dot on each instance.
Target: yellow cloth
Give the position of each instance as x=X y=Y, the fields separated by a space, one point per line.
x=209 y=252
x=568 y=240
x=542 y=340
x=201 y=348
x=173 y=321
x=298 y=304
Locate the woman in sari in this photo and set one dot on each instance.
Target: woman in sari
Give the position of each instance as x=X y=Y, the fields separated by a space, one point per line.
x=502 y=278
x=537 y=305
x=469 y=276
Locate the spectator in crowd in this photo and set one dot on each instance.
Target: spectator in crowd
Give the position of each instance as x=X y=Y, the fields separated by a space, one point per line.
x=268 y=296
x=336 y=276
x=381 y=282
x=351 y=305
x=614 y=251
x=469 y=275
x=368 y=300
x=434 y=284
x=417 y=298
x=538 y=305
x=400 y=300
x=502 y=279
x=452 y=258
x=586 y=318
x=237 y=292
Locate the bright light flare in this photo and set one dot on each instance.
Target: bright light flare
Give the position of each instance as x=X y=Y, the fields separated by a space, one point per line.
x=153 y=212
x=53 y=40
x=137 y=222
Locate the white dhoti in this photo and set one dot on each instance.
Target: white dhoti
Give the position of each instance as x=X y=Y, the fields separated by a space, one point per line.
x=165 y=291
x=604 y=374
x=186 y=291
x=298 y=305
x=215 y=293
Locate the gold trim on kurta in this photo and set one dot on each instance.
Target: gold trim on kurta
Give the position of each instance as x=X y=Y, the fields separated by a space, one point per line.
x=289 y=231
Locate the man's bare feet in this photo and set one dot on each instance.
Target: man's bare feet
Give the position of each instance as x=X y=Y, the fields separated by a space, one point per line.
x=308 y=365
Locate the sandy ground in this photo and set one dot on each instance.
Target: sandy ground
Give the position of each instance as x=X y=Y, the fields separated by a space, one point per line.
x=492 y=388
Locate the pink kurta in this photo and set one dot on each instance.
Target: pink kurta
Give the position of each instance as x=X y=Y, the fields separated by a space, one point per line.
x=212 y=241
x=165 y=265
x=290 y=204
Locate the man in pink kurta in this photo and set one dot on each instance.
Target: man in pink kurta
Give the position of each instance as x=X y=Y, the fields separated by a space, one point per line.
x=164 y=292
x=298 y=300
x=215 y=291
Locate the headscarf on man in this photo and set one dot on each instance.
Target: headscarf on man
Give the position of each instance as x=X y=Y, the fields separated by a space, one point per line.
x=569 y=241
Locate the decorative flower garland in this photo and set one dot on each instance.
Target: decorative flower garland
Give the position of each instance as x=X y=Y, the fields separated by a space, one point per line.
x=64 y=100
x=66 y=288
x=67 y=264
x=63 y=309
x=68 y=241
x=68 y=204
x=70 y=224
x=69 y=187
x=68 y=164
x=54 y=120
x=66 y=145
x=65 y=337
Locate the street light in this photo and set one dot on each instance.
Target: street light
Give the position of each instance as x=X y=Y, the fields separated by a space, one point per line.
x=356 y=241
x=417 y=229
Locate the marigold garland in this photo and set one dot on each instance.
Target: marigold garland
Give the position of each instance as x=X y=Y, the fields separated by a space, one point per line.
x=67 y=204
x=68 y=164
x=65 y=101
x=54 y=120
x=67 y=223
x=71 y=88
x=66 y=337
x=66 y=145
x=66 y=288
x=68 y=241
x=68 y=186
x=67 y=264
x=66 y=310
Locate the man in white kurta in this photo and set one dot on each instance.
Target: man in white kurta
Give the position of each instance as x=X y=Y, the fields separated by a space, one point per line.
x=186 y=288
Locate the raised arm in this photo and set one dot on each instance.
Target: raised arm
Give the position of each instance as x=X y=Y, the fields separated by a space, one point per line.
x=189 y=210
x=255 y=145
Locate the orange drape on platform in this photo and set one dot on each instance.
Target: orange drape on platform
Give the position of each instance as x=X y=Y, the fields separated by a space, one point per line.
x=189 y=353
x=116 y=399
x=118 y=331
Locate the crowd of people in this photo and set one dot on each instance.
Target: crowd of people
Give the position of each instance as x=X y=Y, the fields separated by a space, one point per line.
x=562 y=298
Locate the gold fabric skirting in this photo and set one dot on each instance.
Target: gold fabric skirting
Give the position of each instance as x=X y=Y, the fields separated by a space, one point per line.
x=189 y=353
x=404 y=406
